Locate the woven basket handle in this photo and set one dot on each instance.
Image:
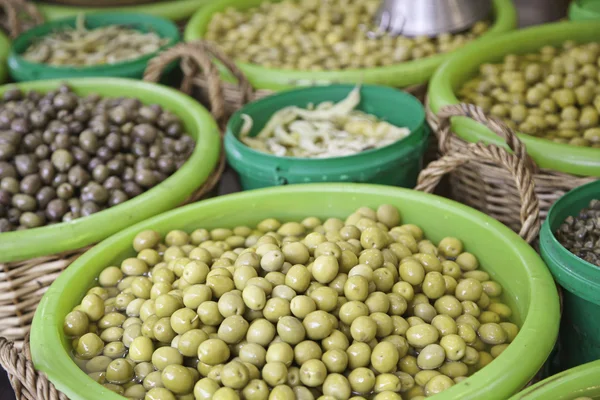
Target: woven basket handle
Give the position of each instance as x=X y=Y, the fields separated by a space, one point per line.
x=15 y=10
x=198 y=56
x=27 y=382
x=494 y=124
x=479 y=152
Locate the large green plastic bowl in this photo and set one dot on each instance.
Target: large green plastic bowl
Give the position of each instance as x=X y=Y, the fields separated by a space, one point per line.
x=568 y=385
x=23 y=70
x=400 y=75
x=579 y=340
x=464 y=65
x=79 y=233
x=4 y=50
x=528 y=286
x=175 y=10
x=397 y=164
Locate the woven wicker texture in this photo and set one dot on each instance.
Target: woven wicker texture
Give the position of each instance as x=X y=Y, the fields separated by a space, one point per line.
x=18 y=16
x=488 y=185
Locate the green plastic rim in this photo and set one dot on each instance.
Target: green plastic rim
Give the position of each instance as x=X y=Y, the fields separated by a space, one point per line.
x=401 y=75
x=4 y=51
x=380 y=101
x=79 y=233
x=175 y=10
x=578 y=276
x=24 y=70
x=465 y=64
x=582 y=10
x=509 y=260
x=576 y=382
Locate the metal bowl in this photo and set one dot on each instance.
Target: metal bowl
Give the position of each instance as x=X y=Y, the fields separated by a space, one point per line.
x=430 y=17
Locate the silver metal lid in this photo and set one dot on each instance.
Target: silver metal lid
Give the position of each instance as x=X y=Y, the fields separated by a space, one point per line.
x=430 y=17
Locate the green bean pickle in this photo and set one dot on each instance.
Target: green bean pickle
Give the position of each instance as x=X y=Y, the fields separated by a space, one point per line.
x=553 y=94
x=314 y=35
x=366 y=307
x=82 y=47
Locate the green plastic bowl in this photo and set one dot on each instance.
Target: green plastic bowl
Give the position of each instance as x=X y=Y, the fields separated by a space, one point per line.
x=175 y=10
x=528 y=286
x=400 y=75
x=579 y=341
x=465 y=64
x=52 y=239
x=22 y=70
x=397 y=164
x=4 y=50
x=568 y=385
x=582 y=10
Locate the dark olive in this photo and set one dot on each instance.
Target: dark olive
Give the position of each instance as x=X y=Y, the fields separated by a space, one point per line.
x=5 y=198
x=38 y=119
x=94 y=162
x=10 y=184
x=99 y=128
x=45 y=195
x=139 y=149
x=132 y=189
x=26 y=164
x=12 y=94
x=154 y=151
x=7 y=170
x=113 y=141
x=70 y=216
x=104 y=153
x=7 y=151
x=145 y=133
x=94 y=192
x=24 y=202
x=89 y=208
x=174 y=129
x=100 y=173
x=56 y=209
x=78 y=176
x=31 y=141
x=145 y=163
x=148 y=114
x=47 y=171
x=117 y=197
x=159 y=176
x=116 y=166
x=126 y=143
x=128 y=174
x=6 y=117
x=88 y=141
x=59 y=127
x=31 y=184
x=5 y=225
x=48 y=136
x=13 y=215
x=42 y=151
x=59 y=179
x=112 y=183
x=20 y=125
x=62 y=160
x=145 y=178
x=65 y=191
x=80 y=155
x=62 y=141
x=119 y=115
x=30 y=220
x=65 y=101
x=81 y=114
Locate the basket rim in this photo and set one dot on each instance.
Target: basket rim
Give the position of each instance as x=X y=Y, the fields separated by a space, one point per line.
x=79 y=233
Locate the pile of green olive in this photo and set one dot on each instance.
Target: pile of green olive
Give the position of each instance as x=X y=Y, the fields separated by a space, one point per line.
x=315 y=35
x=553 y=94
x=63 y=156
x=362 y=308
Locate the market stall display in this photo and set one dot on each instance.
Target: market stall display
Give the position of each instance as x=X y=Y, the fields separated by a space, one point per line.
x=397 y=163
x=579 y=277
x=558 y=167
x=490 y=242
x=103 y=45
x=33 y=258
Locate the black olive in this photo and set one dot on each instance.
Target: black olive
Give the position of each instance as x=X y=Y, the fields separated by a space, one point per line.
x=112 y=183
x=116 y=166
x=94 y=192
x=128 y=174
x=65 y=101
x=117 y=197
x=74 y=205
x=56 y=209
x=81 y=114
x=148 y=114
x=139 y=149
x=113 y=141
x=20 y=125
x=62 y=141
x=13 y=215
x=104 y=153
x=145 y=178
x=89 y=208
x=7 y=151
x=80 y=156
x=119 y=115
x=7 y=169
x=6 y=117
x=45 y=195
x=48 y=136
x=94 y=162
x=145 y=133
x=59 y=179
x=78 y=176
x=132 y=189
x=5 y=225
x=10 y=184
x=5 y=198
x=12 y=95
x=31 y=184
x=26 y=164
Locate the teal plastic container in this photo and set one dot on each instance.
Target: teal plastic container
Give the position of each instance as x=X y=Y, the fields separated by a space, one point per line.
x=581 y=10
x=22 y=70
x=579 y=340
x=397 y=164
x=568 y=385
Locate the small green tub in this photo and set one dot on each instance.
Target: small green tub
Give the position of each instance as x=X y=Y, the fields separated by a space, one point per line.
x=397 y=164
x=175 y=10
x=22 y=70
x=82 y=232
x=465 y=64
x=568 y=385
x=401 y=75
x=579 y=340
x=528 y=286
x=581 y=10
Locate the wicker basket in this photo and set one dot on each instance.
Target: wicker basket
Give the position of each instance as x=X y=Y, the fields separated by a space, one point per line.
x=18 y=16
x=487 y=185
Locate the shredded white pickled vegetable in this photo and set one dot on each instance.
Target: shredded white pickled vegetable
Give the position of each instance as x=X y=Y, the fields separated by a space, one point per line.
x=323 y=131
